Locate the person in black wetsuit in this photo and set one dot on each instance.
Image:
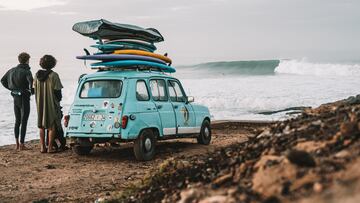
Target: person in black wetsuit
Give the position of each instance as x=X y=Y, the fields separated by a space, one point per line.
x=19 y=81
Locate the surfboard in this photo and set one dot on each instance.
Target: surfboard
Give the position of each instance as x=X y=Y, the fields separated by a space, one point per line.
x=135 y=64
x=144 y=53
x=132 y=41
x=115 y=57
x=103 y=29
x=113 y=47
x=138 y=43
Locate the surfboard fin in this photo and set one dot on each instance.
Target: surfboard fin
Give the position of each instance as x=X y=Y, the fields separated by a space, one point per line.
x=86 y=52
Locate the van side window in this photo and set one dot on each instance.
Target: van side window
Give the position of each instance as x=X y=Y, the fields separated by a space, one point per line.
x=158 y=90
x=142 y=93
x=176 y=95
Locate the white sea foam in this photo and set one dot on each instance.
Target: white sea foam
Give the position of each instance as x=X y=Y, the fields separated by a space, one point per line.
x=303 y=67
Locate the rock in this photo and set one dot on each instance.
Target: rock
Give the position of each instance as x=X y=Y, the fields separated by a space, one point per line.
x=301 y=158
x=218 y=199
x=269 y=179
x=310 y=146
x=232 y=191
x=49 y=166
x=288 y=130
x=317 y=187
x=347 y=128
x=222 y=179
x=189 y=196
x=100 y=200
x=272 y=199
x=182 y=164
x=305 y=180
x=347 y=143
x=266 y=160
x=265 y=133
x=342 y=154
x=317 y=123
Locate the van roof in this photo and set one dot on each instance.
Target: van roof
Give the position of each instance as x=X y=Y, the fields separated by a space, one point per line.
x=126 y=74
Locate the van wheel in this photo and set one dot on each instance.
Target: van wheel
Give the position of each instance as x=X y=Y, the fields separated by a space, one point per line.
x=205 y=133
x=82 y=150
x=144 y=146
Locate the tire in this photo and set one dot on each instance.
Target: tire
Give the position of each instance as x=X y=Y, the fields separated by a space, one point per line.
x=144 y=146
x=205 y=133
x=82 y=146
x=82 y=150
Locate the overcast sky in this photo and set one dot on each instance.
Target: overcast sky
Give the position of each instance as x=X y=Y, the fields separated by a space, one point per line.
x=195 y=30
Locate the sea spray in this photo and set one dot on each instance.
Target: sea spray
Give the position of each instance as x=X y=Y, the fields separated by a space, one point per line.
x=303 y=67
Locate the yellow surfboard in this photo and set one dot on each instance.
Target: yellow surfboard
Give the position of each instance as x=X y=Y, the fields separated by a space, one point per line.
x=143 y=53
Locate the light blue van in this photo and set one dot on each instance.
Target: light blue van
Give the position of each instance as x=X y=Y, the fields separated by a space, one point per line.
x=132 y=105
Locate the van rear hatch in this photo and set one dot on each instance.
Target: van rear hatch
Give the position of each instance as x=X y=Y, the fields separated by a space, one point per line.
x=97 y=108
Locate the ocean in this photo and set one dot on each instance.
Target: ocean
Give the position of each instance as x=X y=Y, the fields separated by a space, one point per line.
x=237 y=90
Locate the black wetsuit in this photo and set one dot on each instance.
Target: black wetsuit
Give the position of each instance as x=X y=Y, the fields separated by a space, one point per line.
x=19 y=81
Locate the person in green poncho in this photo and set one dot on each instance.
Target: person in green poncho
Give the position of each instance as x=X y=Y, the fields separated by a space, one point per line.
x=48 y=87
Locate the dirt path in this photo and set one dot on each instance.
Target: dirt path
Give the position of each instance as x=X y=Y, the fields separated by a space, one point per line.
x=65 y=177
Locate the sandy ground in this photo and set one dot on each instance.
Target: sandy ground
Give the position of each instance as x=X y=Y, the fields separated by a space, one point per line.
x=28 y=176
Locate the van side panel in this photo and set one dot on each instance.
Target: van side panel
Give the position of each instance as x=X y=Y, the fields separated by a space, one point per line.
x=144 y=113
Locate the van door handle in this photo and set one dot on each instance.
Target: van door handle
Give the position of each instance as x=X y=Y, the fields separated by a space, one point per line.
x=159 y=106
x=148 y=109
x=176 y=106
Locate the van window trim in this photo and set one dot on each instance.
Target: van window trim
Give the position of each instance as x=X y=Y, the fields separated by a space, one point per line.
x=181 y=89
x=166 y=90
x=147 y=89
x=86 y=81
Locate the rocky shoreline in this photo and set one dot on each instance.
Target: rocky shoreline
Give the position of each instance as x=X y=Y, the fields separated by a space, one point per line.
x=314 y=157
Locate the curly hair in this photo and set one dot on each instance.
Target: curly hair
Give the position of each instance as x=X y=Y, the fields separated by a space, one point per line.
x=23 y=57
x=48 y=62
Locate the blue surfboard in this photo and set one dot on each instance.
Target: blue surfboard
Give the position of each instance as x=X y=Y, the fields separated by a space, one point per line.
x=112 y=47
x=117 y=57
x=134 y=63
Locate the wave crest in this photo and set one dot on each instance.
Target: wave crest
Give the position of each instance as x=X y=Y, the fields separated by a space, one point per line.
x=302 y=67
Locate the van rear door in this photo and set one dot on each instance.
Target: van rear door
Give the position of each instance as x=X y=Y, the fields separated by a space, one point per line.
x=97 y=108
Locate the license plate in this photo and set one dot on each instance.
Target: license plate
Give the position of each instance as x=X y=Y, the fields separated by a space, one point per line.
x=94 y=117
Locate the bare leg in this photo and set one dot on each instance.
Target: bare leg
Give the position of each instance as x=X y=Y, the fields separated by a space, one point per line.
x=17 y=144
x=42 y=140
x=51 y=134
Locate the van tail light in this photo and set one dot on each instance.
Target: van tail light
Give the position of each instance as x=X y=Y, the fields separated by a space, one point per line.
x=66 y=120
x=124 y=122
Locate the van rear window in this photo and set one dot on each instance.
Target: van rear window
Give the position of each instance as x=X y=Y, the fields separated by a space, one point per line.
x=101 y=89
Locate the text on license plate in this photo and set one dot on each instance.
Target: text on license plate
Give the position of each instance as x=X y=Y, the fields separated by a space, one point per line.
x=94 y=117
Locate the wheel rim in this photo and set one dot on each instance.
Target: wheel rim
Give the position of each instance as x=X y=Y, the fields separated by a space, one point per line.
x=148 y=144
x=206 y=132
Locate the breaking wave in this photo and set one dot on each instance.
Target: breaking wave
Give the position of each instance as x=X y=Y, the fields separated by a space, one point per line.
x=302 y=67
x=271 y=67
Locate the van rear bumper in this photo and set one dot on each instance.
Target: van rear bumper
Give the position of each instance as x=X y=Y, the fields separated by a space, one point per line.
x=92 y=135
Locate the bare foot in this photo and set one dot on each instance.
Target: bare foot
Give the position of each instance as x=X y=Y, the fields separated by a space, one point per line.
x=23 y=147
x=51 y=151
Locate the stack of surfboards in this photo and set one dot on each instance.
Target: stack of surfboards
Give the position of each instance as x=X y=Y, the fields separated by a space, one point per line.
x=123 y=46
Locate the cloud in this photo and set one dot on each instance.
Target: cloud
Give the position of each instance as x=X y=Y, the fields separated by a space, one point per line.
x=28 y=5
